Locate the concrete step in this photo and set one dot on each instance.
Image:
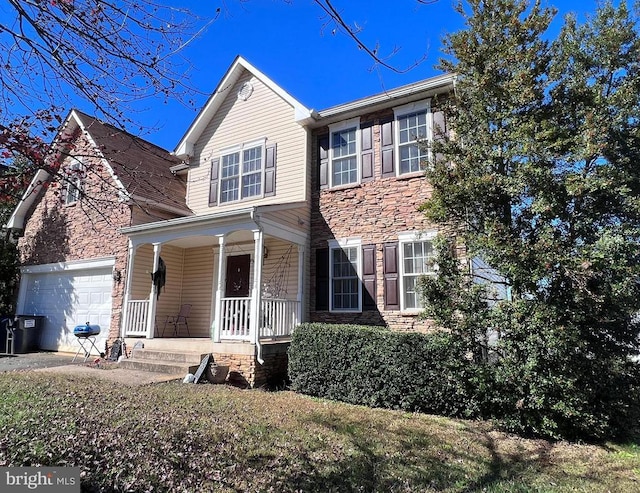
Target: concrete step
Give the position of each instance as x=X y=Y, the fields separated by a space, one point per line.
x=161 y=356
x=163 y=361
x=175 y=368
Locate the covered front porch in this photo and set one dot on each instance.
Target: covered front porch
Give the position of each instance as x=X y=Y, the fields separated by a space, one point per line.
x=241 y=275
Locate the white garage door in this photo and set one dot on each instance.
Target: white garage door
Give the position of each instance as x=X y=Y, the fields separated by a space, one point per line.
x=67 y=299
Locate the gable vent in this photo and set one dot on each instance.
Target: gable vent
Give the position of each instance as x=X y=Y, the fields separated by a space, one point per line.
x=245 y=91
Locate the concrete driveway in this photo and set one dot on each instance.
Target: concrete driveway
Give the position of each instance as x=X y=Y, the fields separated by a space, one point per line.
x=60 y=363
x=33 y=361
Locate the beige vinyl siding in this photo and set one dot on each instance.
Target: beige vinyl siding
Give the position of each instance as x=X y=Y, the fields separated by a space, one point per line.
x=169 y=301
x=294 y=218
x=189 y=280
x=197 y=289
x=142 y=267
x=280 y=270
x=263 y=115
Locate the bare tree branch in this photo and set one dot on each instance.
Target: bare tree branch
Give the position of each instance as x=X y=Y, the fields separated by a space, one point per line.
x=335 y=19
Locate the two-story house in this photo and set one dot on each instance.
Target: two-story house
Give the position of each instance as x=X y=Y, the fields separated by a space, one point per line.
x=288 y=215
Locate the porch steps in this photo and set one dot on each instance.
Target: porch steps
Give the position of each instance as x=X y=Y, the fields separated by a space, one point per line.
x=163 y=361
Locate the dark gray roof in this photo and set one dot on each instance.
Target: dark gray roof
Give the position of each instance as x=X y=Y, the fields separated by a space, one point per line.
x=142 y=167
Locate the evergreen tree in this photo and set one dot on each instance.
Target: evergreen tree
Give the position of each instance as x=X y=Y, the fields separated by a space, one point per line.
x=13 y=182
x=544 y=187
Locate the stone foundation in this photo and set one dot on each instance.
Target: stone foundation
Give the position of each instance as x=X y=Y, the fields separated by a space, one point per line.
x=246 y=371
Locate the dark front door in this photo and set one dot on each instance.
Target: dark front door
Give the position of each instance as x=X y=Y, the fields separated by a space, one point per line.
x=237 y=276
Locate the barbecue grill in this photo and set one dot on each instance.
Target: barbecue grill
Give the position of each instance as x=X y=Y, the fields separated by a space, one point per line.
x=86 y=335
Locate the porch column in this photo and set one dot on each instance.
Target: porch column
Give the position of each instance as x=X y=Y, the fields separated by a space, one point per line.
x=300 y=296
x=222 y=268
x=256 y=291
x=153 y=296
x=127 y=290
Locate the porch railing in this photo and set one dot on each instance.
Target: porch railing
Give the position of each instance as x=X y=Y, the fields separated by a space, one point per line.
x=136 y=317
x=279 y=317
x=234 y=322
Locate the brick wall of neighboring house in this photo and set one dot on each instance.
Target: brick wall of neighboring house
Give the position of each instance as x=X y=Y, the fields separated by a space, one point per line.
x=374 y=211
x=87 y=229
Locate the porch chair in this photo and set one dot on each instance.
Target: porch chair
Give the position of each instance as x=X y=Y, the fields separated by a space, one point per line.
x=178 y=320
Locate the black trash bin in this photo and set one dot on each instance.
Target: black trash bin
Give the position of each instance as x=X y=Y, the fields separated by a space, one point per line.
x=5 y=323
x=27 y=333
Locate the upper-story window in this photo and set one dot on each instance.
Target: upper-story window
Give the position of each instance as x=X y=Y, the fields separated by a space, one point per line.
x=413 y=131
x=344 y=153
x=74 y=181
x=243 y=172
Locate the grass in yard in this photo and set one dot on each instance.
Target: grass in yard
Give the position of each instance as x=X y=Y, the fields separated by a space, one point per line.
x=178 y=437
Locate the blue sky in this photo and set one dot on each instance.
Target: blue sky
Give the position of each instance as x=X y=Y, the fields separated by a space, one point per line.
x=289 y=42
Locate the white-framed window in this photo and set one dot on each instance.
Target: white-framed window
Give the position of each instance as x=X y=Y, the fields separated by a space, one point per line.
x=345 y=291
x=413 y=132
x=242 y=172
x=417 y=258
x=74 y=181
x=344 y=151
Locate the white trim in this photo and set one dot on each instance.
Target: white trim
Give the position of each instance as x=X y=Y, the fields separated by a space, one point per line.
x=74 y=181
x=342 y=244
x=353 y=122
x=398 y=113
x=339 y=127
x=69 y=266
x=382 y=100
x=345 y=242
x=404 y=238
x=409 y=236
x=239 y=149
x=282 y=231
x=72 y=266
x=423 y=105
x=186 y=145
x=16 y=221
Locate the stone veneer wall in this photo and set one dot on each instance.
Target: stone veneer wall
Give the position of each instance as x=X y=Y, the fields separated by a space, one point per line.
x=374 y=211
x=84 y=230
x=244 y=369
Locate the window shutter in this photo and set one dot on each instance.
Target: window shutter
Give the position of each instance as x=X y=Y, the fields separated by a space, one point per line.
x=369 y=277
x=440 y=130
x=213 y=183
x=391 y=288
x=322 y=279
x=366 y=148
x=386 y=138
x=270 y=171
x=323 y=160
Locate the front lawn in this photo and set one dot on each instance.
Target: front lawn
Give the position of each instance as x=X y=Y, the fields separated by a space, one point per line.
x=198 y=438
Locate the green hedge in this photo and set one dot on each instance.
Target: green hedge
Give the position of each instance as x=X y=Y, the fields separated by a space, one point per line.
x=377 y=367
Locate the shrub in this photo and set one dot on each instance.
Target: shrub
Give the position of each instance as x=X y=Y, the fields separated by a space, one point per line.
x=377 y=367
